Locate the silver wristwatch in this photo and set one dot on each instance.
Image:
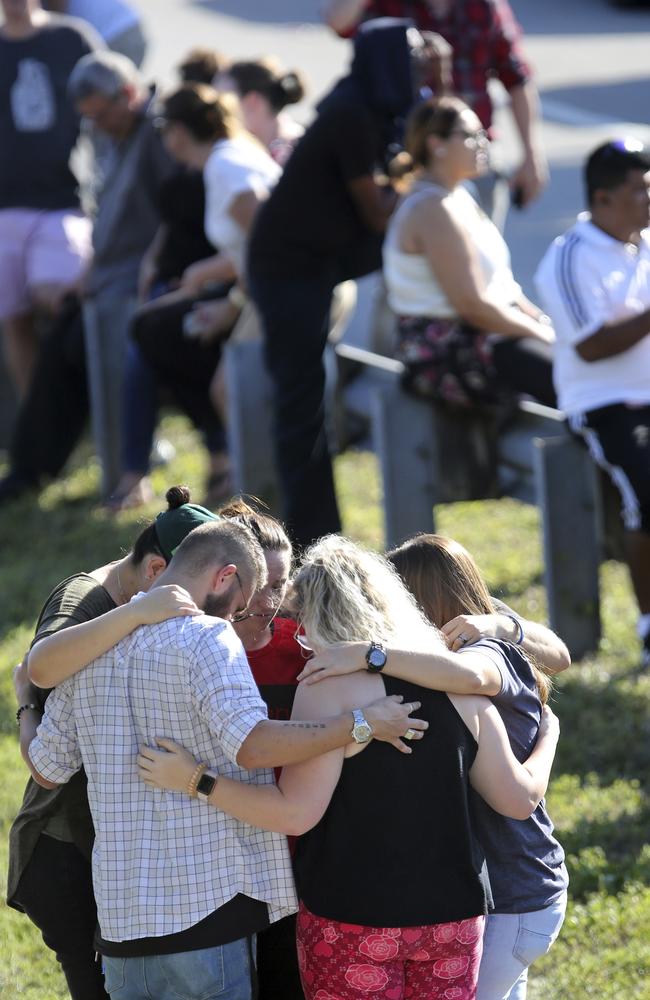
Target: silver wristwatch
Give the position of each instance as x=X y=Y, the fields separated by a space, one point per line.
x=361 y=730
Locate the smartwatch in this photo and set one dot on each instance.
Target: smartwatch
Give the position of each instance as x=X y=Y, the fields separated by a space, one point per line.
x=376 y=657
x=207 y=781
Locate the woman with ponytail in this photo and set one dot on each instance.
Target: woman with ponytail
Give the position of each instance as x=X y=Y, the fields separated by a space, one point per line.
x=264 y=90
x=52 y=836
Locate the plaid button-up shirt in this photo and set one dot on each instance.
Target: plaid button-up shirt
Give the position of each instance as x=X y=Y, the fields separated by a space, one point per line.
x=484 y=35
x=162 y=861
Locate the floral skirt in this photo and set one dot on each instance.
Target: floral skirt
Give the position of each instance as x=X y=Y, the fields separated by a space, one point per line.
x=449 y=361
x=341 y=961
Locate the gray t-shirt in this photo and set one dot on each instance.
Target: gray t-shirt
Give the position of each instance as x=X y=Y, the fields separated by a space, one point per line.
x=525 y=861
x=38 y=124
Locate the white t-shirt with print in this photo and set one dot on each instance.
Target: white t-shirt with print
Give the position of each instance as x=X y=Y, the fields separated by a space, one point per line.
x=235 y=165
x=585 y=280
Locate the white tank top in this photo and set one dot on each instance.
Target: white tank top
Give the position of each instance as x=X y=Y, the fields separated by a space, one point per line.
x=413 y=289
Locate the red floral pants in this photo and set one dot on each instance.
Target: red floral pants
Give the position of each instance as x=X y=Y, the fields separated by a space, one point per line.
x=349 y=962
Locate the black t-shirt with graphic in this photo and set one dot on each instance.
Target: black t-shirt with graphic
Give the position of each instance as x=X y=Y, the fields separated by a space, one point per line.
x=38 y=123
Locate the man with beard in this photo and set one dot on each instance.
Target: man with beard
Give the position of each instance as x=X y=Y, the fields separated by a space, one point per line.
x=181 y=888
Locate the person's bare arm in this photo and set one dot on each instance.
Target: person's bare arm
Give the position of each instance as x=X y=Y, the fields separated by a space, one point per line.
x=243 y=209
x=614 y=338
x=531 y=176
x=547 y=647
x=293 y=807
x=455 y=264
x=374 y=202
x=60 y=655
x=211 y=270
x=511 y=788
x=276 y=744
x=27 y=694
x=438 y=670
x=343 y=15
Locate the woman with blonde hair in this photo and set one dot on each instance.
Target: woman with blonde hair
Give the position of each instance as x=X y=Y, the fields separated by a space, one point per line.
x=525 y=862
x=466 y=333
x=391 y=878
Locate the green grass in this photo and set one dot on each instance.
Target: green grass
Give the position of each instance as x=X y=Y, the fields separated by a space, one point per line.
x=599 y=794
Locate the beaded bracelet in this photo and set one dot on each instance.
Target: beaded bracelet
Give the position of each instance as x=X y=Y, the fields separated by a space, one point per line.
x=520 y=629
x=23 y=708
x=194 y=780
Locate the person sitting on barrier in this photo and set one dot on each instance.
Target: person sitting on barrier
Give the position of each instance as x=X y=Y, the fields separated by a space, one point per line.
x=398 y=927
x=595 y=284
x=525 y=862
x=202 y=129
x=466 y=333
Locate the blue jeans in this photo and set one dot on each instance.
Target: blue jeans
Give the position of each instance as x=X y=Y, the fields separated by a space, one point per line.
x=224 y=972
x=511 y=943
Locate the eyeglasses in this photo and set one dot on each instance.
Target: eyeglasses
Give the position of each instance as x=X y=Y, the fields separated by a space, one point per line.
x=241 y=615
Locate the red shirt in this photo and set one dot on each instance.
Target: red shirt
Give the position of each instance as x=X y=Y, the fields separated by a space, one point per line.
x=485 y=37
x=276 y=666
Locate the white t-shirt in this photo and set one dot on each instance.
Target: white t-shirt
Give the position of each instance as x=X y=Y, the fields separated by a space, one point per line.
x=585 y=280
x=235 y=165
x=413 y=289
x=110 y=18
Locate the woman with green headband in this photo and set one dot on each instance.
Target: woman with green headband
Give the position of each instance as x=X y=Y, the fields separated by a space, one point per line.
x=51 y=838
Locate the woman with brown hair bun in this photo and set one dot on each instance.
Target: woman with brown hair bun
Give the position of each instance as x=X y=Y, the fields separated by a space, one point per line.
x=264 y=90
x=466 y=333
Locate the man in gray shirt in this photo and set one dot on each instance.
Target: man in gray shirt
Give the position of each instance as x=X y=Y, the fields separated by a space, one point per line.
x=130 y=166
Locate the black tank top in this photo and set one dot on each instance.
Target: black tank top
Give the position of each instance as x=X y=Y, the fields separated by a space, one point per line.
x=395 y=847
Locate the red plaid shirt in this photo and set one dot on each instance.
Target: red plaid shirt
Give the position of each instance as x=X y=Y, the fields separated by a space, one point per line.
x=484 y=35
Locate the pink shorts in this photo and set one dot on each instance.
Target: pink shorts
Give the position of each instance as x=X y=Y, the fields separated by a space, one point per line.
x=40 y=248
x=349 y=962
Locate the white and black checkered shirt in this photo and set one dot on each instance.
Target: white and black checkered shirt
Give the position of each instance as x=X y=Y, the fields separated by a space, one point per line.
x=162 y=861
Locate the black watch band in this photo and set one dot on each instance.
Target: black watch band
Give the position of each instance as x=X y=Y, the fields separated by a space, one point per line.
x=376 y=657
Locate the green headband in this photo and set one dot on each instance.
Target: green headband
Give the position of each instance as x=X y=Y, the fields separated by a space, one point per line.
x=172 y=526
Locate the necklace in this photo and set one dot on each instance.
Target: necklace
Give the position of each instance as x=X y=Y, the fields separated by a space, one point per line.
x=120 y=588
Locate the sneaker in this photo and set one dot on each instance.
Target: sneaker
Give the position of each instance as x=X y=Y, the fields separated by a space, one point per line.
x=162 y=453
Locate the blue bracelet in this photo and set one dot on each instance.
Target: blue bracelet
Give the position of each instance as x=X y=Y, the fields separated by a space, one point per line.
x=520 y=629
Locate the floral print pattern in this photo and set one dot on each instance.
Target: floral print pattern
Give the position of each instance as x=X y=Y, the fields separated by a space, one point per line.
x=341 y=961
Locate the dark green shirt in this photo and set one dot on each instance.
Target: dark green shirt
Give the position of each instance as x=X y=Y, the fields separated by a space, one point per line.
x=61 y=812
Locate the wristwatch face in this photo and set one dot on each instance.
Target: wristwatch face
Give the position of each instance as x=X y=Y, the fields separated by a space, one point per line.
x=376 y=658
x=362 y=732
x=206 y=783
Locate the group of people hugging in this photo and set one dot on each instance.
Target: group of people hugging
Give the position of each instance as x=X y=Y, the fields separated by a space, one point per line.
x=405 y=711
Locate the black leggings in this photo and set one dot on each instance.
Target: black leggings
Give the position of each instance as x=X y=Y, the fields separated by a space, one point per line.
x=56 y=893
x=526 y=366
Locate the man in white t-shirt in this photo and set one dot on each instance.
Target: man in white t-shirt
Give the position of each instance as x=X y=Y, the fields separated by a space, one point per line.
x=594 y=282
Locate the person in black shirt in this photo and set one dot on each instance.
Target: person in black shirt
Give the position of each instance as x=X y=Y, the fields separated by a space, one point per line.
x=323 y=223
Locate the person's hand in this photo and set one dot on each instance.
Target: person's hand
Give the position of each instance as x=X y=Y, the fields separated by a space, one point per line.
x=530 y=179
x=463 y=630
x=23 y=687
x=161 y=603
x=341 y=658
x=170 y=768
x=549 y=724
x=390 y=720
x=196 y=276
x=211 y=320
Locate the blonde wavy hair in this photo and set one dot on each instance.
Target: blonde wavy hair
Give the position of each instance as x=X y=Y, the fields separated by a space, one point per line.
x=342 y=592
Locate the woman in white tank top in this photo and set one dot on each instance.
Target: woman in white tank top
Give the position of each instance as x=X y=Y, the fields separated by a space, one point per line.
x=467 y=334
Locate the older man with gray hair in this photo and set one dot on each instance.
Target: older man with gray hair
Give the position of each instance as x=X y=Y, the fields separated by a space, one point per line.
x=130 y=166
